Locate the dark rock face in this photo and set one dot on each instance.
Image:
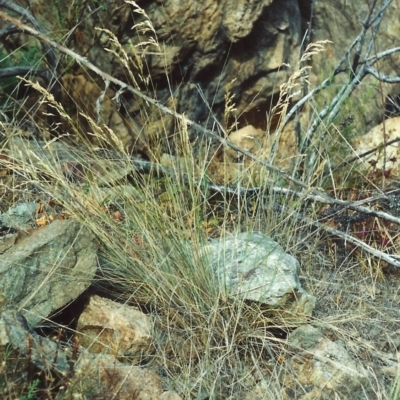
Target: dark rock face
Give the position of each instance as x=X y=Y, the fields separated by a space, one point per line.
x=192 y=56
x=248 y=42
x=188 y=55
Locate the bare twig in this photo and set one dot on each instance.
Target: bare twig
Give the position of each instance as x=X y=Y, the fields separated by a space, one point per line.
x=48 y=50
x=376 y=57
x=345 y=236
x=381 y=77
x=15 y=71
x=331 y=110
x=8 y=31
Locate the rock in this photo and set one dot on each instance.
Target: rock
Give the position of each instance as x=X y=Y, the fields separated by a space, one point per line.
x=112 y=328
x=322 y=369
x=22 y=216
x=252 y=266
x=81 y=88
x=103 y=377
x=41 y=351
x=47 y=269
x=374 y=139
x=92 y=376
x=247 y=42
x=248 y=138
x=201 y=47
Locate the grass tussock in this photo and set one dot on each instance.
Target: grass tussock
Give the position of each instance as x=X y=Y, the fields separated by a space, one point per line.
x=151 y=233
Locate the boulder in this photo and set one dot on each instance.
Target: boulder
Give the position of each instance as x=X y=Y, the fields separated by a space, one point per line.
x=112 y=328
x=101 y=376
x=252 y=266
x=47 y=269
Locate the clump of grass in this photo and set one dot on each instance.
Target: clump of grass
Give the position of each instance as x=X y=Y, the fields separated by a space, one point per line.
x=151 y=258
x=151 y=239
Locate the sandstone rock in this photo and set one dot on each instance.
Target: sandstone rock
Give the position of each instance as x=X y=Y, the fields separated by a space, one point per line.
x=248 y=138
x=47 y=269
x=374 y=139
x=202 y=46
x=322 y=369
x=254 y=267
x=113 y=328
x=103 y=377
x=107 y=126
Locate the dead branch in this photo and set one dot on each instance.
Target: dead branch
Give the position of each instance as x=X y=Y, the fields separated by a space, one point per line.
x=47 y=50
x=392 y=260
x=354 y=82
x=375 y=58
x=381 y=77
x=10 y=30
x=358 y=70
x=15 y=71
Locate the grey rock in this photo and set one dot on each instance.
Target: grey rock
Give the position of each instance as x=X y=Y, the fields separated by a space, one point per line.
x=22 y=216
x=43 y=352
x=252 y=266
x=47 y=269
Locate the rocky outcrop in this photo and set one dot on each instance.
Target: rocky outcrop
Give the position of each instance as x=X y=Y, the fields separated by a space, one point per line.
x=191 y=58
x=202 y=59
